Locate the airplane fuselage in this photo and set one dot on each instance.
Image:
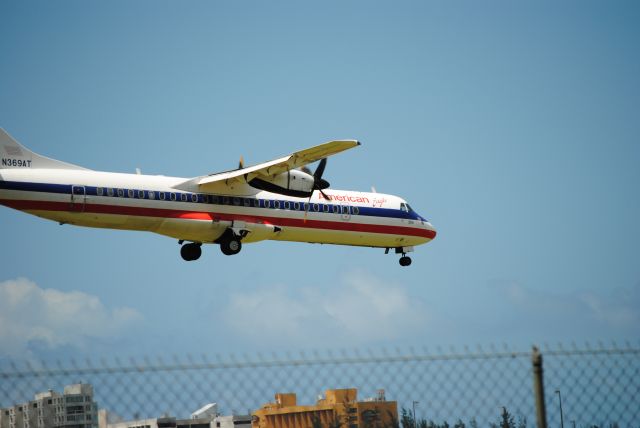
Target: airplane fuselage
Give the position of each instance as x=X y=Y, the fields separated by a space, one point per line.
x=152 y=203
x=274 y=200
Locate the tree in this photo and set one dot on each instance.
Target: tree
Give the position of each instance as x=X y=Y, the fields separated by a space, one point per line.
x=406 y=419
x=459 y=424
x=506 y=420
x=522 y=421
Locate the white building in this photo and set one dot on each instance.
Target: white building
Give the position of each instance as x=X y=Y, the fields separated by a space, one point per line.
x=74 y=408
x=205 y=417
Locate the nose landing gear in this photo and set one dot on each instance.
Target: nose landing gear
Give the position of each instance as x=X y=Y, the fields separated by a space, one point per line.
x=404 y=260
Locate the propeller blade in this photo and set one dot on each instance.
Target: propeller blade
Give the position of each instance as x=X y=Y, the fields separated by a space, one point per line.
x=325 y=195
x=321 y=183
x=320 y=169
x=318 y=182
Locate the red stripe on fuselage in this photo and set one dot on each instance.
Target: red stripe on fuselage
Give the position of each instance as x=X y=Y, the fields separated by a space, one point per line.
x=210 y=216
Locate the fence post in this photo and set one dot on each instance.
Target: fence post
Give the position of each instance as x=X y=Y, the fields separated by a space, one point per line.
x=538 y=388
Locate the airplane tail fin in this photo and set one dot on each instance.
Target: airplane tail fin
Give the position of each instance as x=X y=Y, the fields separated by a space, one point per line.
x=15 y=155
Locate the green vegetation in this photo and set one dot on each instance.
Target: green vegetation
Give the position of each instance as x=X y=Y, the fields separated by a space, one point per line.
x=506 y=420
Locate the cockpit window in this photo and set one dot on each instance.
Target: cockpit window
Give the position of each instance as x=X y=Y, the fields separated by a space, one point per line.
x=404 y=207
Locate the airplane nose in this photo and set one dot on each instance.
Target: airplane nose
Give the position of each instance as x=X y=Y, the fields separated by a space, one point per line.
x=431 y=229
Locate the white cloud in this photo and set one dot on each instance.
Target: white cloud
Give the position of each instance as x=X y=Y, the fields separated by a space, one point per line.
x=360 y=309
x=55 y=318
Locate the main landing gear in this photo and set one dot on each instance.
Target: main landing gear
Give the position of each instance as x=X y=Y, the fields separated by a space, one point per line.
x=229 y=245
x=404 y=260
x=191 y=251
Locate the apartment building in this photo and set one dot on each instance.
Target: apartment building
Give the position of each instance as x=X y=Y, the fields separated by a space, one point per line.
x=74 y=408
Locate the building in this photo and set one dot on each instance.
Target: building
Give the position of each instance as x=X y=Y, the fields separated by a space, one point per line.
x=339 y=408
x=171 y=422
x=205 y=417
x=74 y=408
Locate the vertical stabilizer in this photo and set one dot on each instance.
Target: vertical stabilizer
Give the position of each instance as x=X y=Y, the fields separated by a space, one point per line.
x=15 y=155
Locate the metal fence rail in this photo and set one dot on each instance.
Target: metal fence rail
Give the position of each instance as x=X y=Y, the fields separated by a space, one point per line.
x=597 y=385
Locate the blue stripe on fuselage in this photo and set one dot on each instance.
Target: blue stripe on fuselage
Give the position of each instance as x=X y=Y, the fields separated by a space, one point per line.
x=93 y=191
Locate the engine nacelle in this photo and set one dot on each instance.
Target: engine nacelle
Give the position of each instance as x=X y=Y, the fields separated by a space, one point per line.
x=294 y=183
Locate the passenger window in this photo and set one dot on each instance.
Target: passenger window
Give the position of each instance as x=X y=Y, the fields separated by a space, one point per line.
x=162 y=196
x=141 y=194
x=296 y=206
x=287 y=205
x=226 y=200
x=121 y=193
x=276 y=205
x=355 y=210
x=247 y=202
x=236 y=201
x=256 y=203
x=110 y=192
x=99 y=191
x=266 y=203
x=326 y=208
x=336 y=209
x=152 y=194
x=184 y=197
x=194 y=197
x=345 y=209
x=130 y=193
x=316 y=207
x=173 y=196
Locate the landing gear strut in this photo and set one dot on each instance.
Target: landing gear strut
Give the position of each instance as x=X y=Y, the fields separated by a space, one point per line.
x=191 y=251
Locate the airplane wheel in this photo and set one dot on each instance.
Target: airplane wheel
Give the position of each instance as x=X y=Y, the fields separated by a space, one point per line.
x=230 y=246
x=405 y=261
x=190 y=252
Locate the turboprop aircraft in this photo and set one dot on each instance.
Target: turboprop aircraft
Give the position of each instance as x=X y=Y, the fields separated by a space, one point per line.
x=278 y=200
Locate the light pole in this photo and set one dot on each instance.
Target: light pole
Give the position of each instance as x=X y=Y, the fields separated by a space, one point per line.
x=415 y=423
x=560 y=401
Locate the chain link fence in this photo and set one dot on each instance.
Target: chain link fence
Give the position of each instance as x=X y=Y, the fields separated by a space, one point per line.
x=596 y=386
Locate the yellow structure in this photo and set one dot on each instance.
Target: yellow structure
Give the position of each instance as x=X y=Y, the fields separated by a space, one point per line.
x=339 y=409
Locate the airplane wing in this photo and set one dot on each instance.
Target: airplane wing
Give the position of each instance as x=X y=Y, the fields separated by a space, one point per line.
x=277 y=166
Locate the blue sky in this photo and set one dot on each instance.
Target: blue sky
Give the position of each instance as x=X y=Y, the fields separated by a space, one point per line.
x=512 y=126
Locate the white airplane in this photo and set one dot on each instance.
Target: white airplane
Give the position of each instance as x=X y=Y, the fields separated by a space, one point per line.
x=279 y=200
